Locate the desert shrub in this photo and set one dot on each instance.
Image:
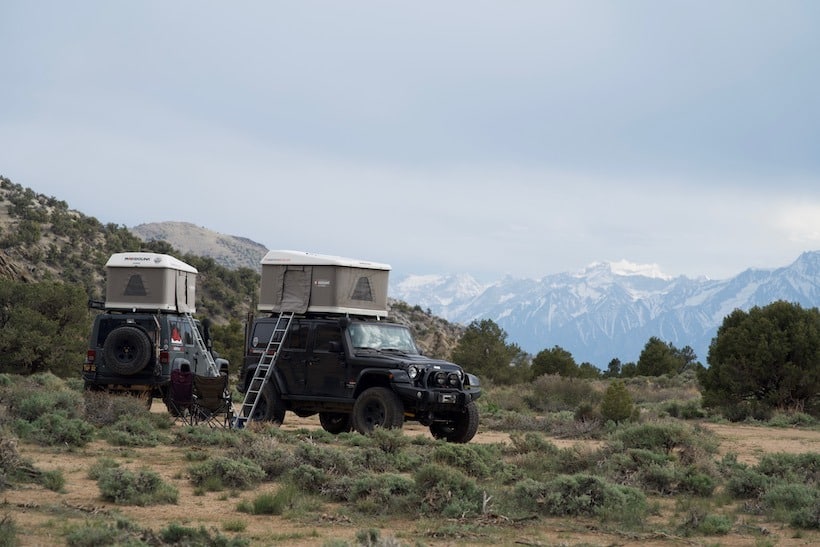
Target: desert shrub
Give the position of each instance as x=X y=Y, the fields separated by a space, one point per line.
x=101 y=408
x=269 y=454
x=55 y=430
x=384 y=494
x=53 y=480
x=133 y=431
x=551 y=393
x=792 y=419
x=697 y=483
x=221 y=472
x=389 y=440
x=271 y=503
x=8 y=531
x=319 y=481
x=746 y=483
x=510 y=398
x=667 y=437
x=143 y=487
x=206 y=436
x=616 y=404
x=806 y=517
x=783 y=500
x=103 y=534
x=587 y=412
x=795 y=468
x=446 y=491
x=582 y=495
x=685 y=410
x=30 y=405
x=176 y=534
x=523 y=443
x=475 y=460
x=101 y=466
x=697 y=520
x=331 y=459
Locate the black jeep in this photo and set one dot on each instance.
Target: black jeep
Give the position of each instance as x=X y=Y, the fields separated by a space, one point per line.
x=135 y=351
x=359 y=373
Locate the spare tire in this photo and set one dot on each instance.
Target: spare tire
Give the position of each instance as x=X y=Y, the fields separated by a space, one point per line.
x=127 y=350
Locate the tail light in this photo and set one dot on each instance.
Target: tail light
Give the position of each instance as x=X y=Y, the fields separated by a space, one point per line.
x=90 y=364
x=164 y=358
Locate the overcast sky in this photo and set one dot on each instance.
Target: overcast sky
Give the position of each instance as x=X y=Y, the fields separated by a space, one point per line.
x=518 y=138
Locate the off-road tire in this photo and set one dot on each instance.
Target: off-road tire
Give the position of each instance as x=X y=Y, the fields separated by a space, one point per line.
x=269 y=407
x=377 y=407
x=127 y=350
x=461 y=429
x=335 y=422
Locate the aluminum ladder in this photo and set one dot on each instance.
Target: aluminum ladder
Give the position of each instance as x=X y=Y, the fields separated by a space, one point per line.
x=212 y=369
x=264 y=368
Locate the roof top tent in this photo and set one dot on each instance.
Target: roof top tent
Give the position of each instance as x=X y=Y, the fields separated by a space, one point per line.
x=300 y=282
x=150 y=281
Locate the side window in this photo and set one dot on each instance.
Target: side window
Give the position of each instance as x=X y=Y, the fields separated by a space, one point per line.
x=297 y=338
x=176 y=331
x=325 y=334
x=187 y=334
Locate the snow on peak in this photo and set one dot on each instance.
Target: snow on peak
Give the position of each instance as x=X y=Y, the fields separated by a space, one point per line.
x=624 y=267
x=627 y=268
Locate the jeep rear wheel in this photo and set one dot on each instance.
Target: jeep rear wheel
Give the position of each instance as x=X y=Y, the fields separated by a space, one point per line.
x=127 y=350
x=335 y=422
x=377 y=407
x=269 y=407
x=461 y=428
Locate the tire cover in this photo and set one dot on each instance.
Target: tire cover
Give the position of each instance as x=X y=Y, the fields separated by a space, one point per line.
x=127 y=350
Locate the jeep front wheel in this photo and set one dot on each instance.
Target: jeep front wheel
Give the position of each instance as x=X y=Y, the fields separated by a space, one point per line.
x=335 y=422
x=127 y=350
x=377 y=407
x=461 y=428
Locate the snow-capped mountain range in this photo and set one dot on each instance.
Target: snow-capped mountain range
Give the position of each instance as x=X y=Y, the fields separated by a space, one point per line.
x=610 y=310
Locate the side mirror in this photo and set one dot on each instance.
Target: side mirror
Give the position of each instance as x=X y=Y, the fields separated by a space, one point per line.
x=344 y=322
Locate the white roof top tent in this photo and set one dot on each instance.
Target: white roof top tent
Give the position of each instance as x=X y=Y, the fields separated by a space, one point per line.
x=150 y=281
x=300 y=282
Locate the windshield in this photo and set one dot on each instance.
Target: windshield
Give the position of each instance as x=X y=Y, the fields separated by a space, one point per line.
x=381 y=336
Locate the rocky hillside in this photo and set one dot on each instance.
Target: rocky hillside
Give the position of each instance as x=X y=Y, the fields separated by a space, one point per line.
x=41 y=239
x=230 y=251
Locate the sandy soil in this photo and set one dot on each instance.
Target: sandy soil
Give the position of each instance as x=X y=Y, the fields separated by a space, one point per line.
x=43 y=514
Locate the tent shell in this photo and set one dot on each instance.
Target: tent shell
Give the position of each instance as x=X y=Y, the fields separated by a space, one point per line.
x=301 y=282
x=149 y=281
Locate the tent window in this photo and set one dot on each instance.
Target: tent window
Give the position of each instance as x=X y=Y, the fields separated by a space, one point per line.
x=362 y=290
x=135 y=286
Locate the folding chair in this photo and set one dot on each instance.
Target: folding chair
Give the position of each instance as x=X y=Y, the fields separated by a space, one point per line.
x=212 y=402
x=179 y=400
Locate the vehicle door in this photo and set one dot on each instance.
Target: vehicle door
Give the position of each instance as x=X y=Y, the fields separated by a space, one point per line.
x=292 y=362
x=189 y=347
x=326 y=363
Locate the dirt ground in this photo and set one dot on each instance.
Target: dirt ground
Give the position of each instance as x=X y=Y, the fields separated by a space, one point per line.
x=41 y=515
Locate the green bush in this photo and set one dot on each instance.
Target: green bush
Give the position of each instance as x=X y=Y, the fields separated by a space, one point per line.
x=55 y=430
x=103 y=534
x=30 y=405
x=617 y=402
x=223 y=472
x=269 y=454
x=271 y=503
x=582 y=495
x=446 y=491
x=8 y=531
x=176 y=534
x=384 y=494
x=101 y=408
x=206 y=436
x=133 y=431
x=784 y=500
x=143 y=487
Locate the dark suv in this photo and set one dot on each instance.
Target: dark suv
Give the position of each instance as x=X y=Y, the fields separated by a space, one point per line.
x=135 y=351
x=359 y=373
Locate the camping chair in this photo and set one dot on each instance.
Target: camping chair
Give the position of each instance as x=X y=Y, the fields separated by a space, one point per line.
x=179 y=399
x=212 y=402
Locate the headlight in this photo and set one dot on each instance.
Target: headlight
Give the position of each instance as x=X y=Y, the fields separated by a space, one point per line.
x=412 y=372
x=454 y=379
x=441 y=378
